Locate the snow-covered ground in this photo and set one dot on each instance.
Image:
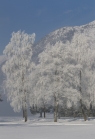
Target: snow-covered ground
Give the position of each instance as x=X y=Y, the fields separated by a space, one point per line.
x=40 y=128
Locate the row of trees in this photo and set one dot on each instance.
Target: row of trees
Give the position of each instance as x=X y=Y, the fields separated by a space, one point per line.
x=64 y=75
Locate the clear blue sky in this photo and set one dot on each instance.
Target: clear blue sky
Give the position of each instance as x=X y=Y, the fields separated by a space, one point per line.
x=42 y=16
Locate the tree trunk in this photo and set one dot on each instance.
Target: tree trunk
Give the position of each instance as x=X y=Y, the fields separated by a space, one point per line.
x=36 y=108
x=44 y=112
x=84 y=115
x=25 y=115
x=25 y=110
x=55 y=109
x=83 y=111
x=59 y=112
x=41 y=112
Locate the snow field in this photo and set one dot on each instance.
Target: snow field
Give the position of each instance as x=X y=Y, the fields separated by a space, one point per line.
x=37 y=128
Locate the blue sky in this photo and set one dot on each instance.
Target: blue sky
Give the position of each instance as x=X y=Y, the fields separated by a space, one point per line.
x=42 y=16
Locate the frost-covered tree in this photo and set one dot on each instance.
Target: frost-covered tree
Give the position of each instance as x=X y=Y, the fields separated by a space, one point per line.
x=41 y=89
x=85 y=56
x=17 y=69
x=65 y=72
x=58 y=67
x=38 y=99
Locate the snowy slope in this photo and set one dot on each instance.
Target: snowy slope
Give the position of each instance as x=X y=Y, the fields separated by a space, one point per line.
x=66 y=34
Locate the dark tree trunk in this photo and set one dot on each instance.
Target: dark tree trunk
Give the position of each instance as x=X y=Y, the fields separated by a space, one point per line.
x=83 y=111
x=25 y=109
x=44 y=112
x=55 y=109
x=36 y=108
x=59 y=112
x=25 y=115
x=41 y=112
